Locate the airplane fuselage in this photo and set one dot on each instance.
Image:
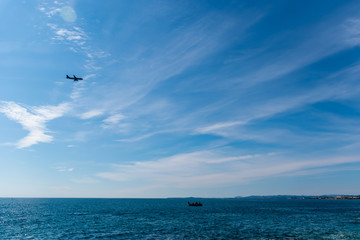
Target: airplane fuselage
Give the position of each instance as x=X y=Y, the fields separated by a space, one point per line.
x=74 y=78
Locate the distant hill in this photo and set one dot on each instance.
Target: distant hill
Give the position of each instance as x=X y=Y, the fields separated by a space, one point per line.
x=330 y=196
x=272 y=196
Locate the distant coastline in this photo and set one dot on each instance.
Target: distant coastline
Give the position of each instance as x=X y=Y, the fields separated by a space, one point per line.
x=335 y=197
x=329 y=197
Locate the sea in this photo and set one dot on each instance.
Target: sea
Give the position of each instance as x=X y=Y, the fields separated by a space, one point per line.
x=65 y=218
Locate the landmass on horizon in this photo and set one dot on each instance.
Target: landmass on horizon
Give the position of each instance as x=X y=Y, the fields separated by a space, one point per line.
x=328 y=196
x=331 y=197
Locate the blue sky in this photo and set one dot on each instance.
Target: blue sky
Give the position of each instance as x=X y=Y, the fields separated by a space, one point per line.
x=189 y=98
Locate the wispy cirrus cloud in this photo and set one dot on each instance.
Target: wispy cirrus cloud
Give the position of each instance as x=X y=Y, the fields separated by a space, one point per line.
x=33 y=119
x=112 y=120
x=91 y=114
x=337 y=86
x=212 y=169
x=73 y=35
x=184 y=48
x=218 y=127
x=141 y=137
x=64 y=169
x=352 y=32
x=319 y=41
x=193 y=45
x=187 y=164
x=76 y=39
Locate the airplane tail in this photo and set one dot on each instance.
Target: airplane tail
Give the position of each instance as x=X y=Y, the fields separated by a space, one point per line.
x=67 y=76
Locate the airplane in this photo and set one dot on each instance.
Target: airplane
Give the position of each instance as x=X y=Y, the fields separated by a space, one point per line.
x=74 y=78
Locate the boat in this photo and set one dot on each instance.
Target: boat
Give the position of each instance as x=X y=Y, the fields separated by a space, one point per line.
x=195 y=204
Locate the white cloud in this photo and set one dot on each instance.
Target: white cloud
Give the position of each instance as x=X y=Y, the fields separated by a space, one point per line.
x=91 y=65
x=91 y=114
x=75 y=34
x=49 y=12
x=141 y=137
x=182 y=165
x=112 y=120
x=211 y=169
x=89 y=76
x=218 y=126
x=352 y=31
x=78 y=88
x=33 y=119
x=64 y=169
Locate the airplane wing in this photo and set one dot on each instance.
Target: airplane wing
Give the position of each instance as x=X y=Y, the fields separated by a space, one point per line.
x=74 y=78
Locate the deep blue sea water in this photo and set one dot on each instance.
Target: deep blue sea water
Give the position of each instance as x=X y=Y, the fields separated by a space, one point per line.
x=174 y=219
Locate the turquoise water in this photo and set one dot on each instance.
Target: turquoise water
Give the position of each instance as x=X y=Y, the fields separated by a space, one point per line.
x=174 y=219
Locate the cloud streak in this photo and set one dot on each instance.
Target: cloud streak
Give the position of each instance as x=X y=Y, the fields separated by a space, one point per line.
x=64 y=169
x=212 y=169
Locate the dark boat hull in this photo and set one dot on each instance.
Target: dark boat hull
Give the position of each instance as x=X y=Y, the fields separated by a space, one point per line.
x=195 y=204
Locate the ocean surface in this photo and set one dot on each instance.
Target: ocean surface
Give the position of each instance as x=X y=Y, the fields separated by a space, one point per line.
x=174 y=219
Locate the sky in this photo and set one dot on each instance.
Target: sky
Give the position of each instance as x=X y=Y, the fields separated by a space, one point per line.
x=179 y=98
